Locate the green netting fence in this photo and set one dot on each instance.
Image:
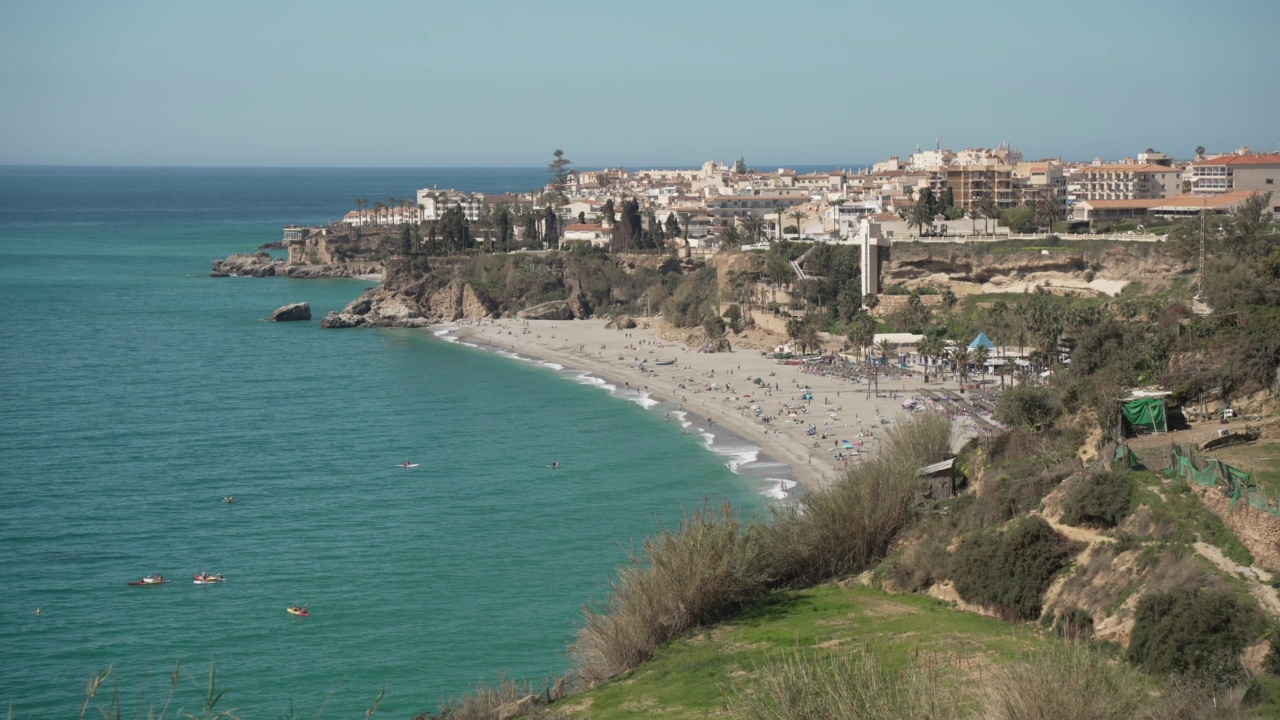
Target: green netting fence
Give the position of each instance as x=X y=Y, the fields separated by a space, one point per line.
x=1124 y=456
x=1187 y=463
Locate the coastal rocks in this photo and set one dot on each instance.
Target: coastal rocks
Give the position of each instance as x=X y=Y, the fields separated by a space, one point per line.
x=554 y=310
x=337 y=270
x=336 y=319
x=457 y=300
x=292 y=312
x=622 y=322
x=259 y=264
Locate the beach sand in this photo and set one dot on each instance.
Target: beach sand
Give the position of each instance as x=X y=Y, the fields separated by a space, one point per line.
x=839 y=407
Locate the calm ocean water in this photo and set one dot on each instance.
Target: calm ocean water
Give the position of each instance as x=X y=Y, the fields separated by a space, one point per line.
x=136 y=392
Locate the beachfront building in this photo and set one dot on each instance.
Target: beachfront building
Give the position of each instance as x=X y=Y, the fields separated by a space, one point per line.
x=726 y=210
x=435 y=203
x=1127 y=181
x=596 y=235
x=1230 y=173
x=1181 y=206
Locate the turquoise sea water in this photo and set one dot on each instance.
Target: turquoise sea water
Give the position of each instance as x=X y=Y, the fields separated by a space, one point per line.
x=136 y=392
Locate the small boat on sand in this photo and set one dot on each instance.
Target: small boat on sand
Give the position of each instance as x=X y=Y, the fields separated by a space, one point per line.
x=300 y=611
x=665 y=362
x=156 y=579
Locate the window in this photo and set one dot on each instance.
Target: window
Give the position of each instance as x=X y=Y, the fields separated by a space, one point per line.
x=1271 y=181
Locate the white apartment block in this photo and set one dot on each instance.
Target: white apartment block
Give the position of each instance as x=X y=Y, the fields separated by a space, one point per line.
x=1127 y=181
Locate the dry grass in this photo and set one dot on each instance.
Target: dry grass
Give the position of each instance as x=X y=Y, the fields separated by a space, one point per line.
x=828 y=685
x=848 y=527
x=704 y=570
x=1069 y=682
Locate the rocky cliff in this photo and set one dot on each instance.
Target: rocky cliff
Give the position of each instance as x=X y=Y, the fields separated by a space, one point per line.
x=329 y=253
x=976 y=267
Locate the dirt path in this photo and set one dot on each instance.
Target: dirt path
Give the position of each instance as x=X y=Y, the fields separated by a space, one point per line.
x=1259 y=581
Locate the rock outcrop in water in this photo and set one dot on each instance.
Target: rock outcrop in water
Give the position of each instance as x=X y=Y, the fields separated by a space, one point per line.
x=292 y=312
x=259 y=264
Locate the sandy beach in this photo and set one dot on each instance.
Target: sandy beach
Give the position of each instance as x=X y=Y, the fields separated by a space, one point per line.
x=718 y=390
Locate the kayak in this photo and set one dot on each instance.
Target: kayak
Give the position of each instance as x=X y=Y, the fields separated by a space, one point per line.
x=208 y=579
x=407 y=466
x=300 y=612
x=149 y=581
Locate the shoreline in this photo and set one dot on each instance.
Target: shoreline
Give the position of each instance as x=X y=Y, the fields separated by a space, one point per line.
x=717 y=391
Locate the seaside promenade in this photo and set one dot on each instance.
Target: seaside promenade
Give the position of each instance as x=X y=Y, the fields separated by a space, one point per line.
x=718 y=389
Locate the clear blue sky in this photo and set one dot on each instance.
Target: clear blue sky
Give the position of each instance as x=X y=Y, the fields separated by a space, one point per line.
x=474 y=82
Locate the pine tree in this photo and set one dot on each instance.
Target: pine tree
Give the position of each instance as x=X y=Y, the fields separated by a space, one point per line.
x=559 y=170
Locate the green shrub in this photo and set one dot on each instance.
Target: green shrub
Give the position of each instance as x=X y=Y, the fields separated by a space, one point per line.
x=1009 y=571
x=1074 y=624
x=1101 y=500
x=1190 y=630
x=1030 y=406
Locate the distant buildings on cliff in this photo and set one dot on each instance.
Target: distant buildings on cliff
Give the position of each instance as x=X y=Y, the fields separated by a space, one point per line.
x=971 y=189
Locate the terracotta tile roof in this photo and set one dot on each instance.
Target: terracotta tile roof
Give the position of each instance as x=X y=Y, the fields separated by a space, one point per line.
x=1128 y=167
x=1195 y=202
x=1238 y=160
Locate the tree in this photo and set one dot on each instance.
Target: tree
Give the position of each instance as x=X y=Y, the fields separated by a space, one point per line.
x=871 y=300
x=532 y=237
x=1028 y=405
x=752 y=226
x=1048 y=209
x=559 y=170
x=729 y=236
x=960 y=361
x=550 y=228
x=778 y=211
x=980 y=356
x=608 y=212
x=673 y=226
x=798 y=216
x=921 y=217
x=989 y=209
x=713 y=326
x=862 y=332
x=1199 y=151
x=887 y=350
x=1021 y=219
x=506 y=229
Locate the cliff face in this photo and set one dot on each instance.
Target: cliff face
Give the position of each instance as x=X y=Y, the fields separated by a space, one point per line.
x=977 y=268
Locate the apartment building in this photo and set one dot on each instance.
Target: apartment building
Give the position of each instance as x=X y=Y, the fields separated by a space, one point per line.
x=970 y=184
x=725 y=210
x=435 y=203
x=1259 y=173
x=1127 y=181
x=1032 y=180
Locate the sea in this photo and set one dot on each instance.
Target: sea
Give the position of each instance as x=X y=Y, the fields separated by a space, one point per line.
x=137 y=393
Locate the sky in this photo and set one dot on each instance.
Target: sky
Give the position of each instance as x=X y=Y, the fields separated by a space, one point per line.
x=421 y=83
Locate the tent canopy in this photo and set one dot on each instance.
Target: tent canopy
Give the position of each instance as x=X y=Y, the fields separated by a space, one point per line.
x=1145 y=413
x=982 y=341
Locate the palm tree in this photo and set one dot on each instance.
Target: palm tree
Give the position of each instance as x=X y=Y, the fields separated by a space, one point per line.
x=886 y=349
x=980 y=357
x=753 y=226
x=960 y=361
x=990 y=210
x=798 y=216
x=862 y=332
x=920 y=217
x=729 y=236
x=377 y=212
